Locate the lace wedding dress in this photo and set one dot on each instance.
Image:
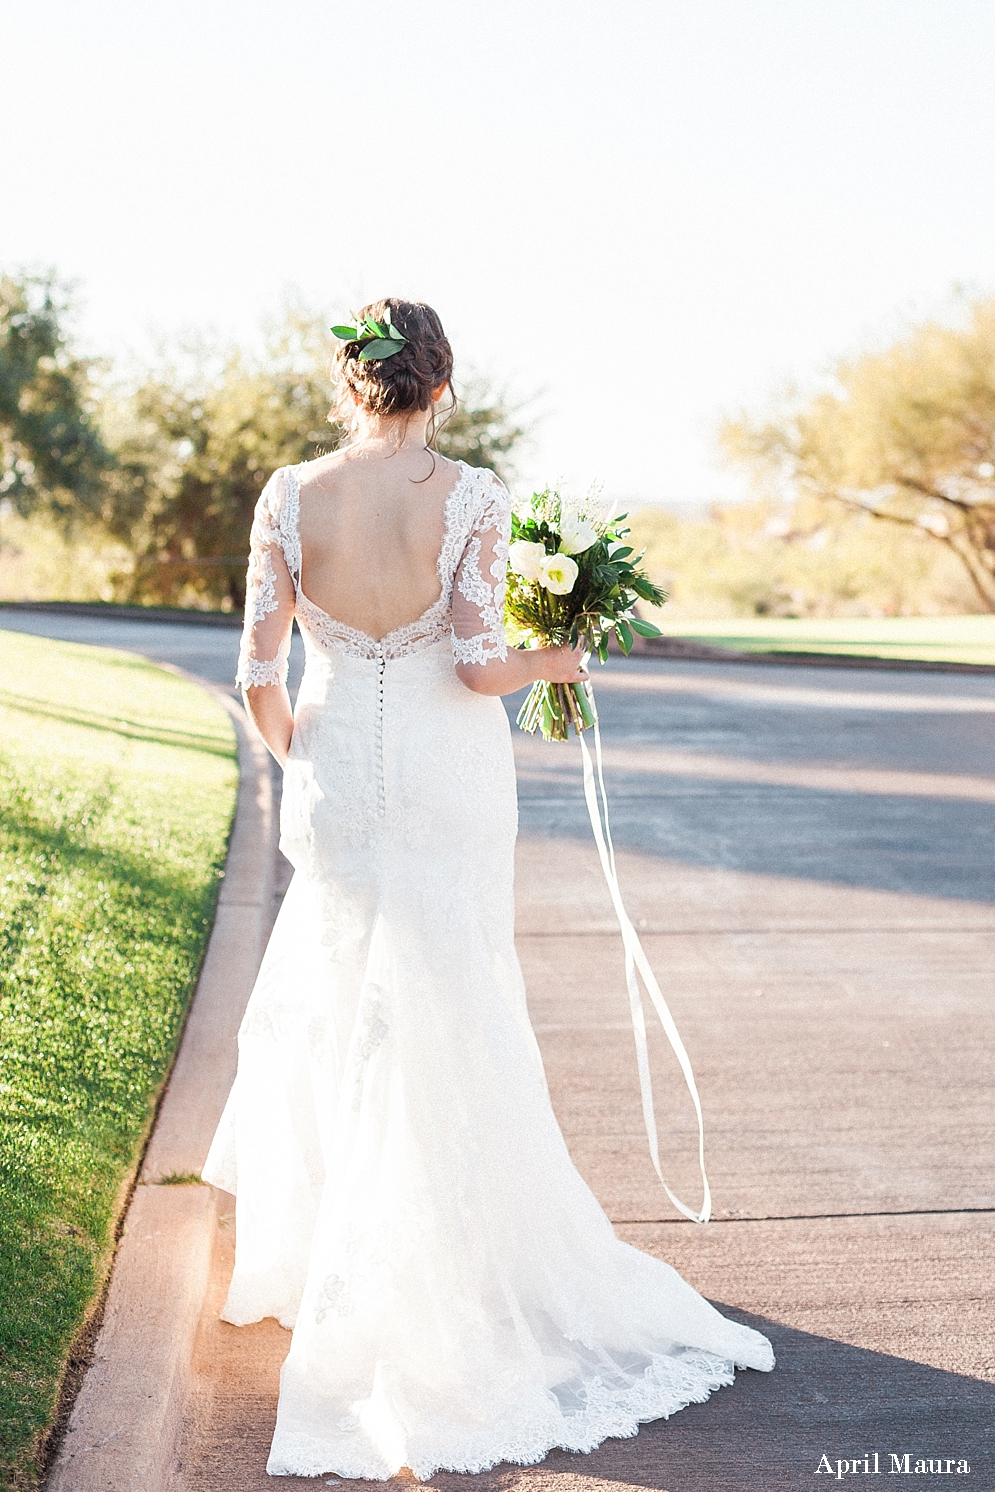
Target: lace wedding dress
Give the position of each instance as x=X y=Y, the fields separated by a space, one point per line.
x=405 y=1200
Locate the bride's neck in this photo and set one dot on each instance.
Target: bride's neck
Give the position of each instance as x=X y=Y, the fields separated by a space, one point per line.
x=402 y=432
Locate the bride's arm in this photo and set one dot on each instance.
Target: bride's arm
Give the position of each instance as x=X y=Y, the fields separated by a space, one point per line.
x=563 y=665
x=484 y=662
x=270 y=711
x=269 y=615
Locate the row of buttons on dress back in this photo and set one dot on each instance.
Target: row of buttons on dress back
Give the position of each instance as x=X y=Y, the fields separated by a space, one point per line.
x=378 y=746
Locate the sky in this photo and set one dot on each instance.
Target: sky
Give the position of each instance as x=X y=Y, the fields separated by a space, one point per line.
x=638 y=213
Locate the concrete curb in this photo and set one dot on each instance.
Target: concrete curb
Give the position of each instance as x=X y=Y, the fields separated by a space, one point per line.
x=706 y=652
x=122 y=1433
x=110 y=611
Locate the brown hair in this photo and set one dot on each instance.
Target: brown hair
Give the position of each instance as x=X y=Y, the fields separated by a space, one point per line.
x=403 y=383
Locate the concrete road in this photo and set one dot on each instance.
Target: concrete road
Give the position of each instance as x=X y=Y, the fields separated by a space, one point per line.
x=211 y=652
x=808 y=854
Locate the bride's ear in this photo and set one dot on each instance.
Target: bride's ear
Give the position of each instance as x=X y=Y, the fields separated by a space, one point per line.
x=438 y=393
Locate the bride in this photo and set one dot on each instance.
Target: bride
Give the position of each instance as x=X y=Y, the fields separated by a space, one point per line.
x=405 y=1200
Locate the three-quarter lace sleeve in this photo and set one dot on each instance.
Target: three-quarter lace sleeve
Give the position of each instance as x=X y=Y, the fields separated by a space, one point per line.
x=270 y=595
x=478 y=595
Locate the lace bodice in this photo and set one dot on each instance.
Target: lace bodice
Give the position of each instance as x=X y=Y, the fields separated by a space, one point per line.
x=471 y=569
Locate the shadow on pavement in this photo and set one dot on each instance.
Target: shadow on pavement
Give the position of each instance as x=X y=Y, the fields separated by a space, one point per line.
x=903 y=840
x=769 y=1431
x=885 y=842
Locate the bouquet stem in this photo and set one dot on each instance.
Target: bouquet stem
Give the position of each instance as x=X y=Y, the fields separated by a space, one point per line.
x=554 y=708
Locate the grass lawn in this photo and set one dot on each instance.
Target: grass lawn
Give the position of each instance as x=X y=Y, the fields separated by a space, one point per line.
x=935 y=639
x=117 y=787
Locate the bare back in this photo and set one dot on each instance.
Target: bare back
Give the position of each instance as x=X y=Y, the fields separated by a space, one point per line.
x=371 y=528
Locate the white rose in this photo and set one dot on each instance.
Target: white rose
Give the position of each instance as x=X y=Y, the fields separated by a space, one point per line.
x=576 y=535
x=525 y=558
x=558 y=573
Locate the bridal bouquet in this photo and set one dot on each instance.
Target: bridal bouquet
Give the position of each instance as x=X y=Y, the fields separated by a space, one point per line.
x=573 y=579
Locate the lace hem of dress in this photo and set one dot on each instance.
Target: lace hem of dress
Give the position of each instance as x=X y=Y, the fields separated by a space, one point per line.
x=668 y=1385
x=253 y=672
x=242 y=1307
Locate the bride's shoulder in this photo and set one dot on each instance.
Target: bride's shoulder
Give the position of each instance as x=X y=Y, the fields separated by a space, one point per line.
x=272 y=501
x=321 y=471
x=493 y=500
x=481 y=479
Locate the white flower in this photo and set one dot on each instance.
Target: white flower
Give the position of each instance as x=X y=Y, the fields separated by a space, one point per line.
x=558 y=573
x=525 y=558
x=576 y=534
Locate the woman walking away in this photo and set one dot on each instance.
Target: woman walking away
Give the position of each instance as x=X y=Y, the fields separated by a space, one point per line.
x=405 y=1200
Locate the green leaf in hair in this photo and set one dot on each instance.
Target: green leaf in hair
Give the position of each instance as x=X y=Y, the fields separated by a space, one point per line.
x=380 y=348
x=380 y=339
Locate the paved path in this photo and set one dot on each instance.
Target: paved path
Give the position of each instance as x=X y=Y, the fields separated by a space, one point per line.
x=809 y=857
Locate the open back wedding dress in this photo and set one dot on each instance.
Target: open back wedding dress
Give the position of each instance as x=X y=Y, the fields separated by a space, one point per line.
x=405 y=1200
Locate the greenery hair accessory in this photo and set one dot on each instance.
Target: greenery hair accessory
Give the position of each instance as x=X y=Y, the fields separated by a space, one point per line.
x=380 y=339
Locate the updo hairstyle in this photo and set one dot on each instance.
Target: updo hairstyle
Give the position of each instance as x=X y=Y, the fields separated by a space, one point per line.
x=403 y=383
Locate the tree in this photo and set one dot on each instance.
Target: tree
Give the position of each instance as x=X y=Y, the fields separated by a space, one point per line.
x=52 y=456
x=906 y=435
x=199 y=437
x=173 y=468
x=197 y=442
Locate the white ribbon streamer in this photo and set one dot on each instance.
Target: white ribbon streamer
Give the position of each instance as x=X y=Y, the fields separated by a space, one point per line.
x=635 y=958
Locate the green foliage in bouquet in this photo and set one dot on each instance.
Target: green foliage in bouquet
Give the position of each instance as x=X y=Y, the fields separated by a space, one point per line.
x=573 y=579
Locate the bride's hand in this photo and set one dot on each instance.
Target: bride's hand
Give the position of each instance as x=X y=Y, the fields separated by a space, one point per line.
x=563 y=665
